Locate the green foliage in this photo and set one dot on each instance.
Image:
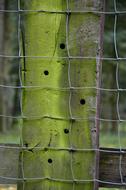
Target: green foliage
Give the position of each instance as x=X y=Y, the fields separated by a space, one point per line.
x=109 y=109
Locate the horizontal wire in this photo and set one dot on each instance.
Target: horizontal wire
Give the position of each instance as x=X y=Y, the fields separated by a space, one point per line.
x=62 y=180
x=47 y=178
x=64 y=12
x=34 y=148
x=63 y=88
x=62 y=118
x=64 y=57
x=110 y=183
x=67 y=88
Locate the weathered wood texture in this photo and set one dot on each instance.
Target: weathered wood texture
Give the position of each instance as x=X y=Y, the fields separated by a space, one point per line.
x=109 y=167
x=44 y=34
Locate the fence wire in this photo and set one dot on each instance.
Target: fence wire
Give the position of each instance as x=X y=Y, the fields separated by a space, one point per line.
x=70 y=89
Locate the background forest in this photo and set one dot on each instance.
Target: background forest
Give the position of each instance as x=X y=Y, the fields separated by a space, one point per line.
x=9 y=75
x=112 y=78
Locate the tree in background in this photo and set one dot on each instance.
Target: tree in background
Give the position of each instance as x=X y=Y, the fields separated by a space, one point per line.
x=109 y=99
x=9 y=66
x=2 y=68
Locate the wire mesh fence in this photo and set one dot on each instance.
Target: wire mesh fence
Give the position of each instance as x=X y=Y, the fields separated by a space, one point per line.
x=69 y=88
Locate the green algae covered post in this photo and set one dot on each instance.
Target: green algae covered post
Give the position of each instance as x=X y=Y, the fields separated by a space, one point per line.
x=59 y=103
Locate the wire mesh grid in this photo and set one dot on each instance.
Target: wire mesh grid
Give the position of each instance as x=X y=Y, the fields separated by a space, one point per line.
x=70 y=89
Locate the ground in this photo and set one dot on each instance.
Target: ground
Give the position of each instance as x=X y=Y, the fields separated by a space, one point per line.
x=7 y=187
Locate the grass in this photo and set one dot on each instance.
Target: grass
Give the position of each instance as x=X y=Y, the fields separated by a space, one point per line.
x=11 y=136
x=113 y=139
x=8 y=187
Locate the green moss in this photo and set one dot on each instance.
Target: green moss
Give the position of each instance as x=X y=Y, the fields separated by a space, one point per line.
x=44 y=33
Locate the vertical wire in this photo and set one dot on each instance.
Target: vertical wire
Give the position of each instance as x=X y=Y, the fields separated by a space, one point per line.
x=20 y=94
x=70 y=85
x=118 y=91
x=70 y=95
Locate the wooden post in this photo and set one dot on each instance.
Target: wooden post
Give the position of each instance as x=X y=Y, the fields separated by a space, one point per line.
x=54 y=112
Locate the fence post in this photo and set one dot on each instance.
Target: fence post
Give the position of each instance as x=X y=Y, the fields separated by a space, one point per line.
x=57 y=107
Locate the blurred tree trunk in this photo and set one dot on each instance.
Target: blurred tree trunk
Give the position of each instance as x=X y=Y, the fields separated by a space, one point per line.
x=8 y=46
x=113 y=101
x=109 y=110
x=2 y=67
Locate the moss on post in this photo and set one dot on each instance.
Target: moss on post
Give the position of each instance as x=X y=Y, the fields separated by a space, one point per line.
x=48 y=122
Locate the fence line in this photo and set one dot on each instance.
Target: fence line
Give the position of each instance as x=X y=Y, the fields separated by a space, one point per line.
x=70 y=89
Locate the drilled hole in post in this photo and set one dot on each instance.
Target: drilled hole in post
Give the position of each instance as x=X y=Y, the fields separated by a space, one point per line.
x=46 y=72
x=26 y=144
x=62 y=46
x=82 y=101
x=50 y=161
x=66 y=131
